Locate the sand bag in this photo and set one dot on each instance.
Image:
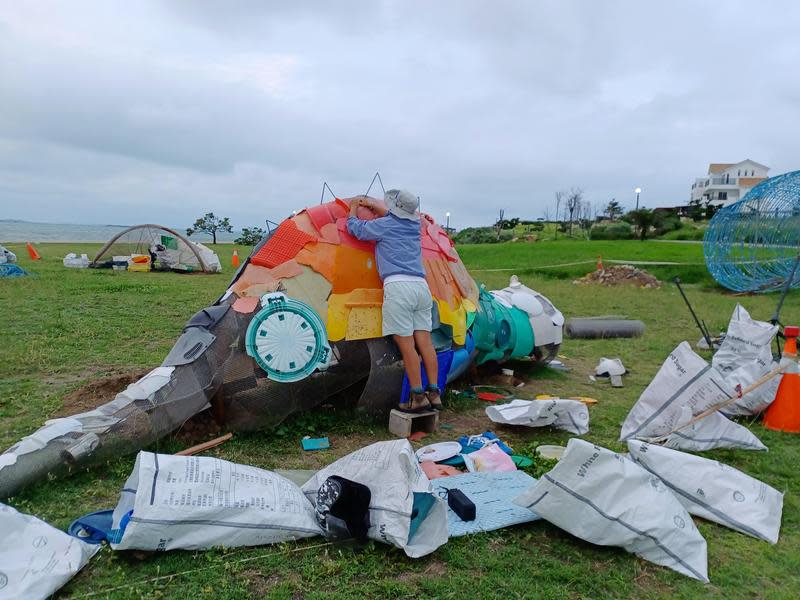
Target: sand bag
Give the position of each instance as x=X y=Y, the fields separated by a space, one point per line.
x=745 y=356
x=713 y=431
x=570 y=415
x=714 y=491
x=36 y=559
x=404 y=511
x=196 y=502
x=684 y=379
x=599 y=496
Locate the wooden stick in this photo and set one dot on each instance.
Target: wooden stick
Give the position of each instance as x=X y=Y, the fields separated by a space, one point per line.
x=205 y=445
x=712 y=409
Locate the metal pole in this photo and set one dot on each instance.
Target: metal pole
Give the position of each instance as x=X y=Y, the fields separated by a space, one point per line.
x=637 y=200
x=707 y=337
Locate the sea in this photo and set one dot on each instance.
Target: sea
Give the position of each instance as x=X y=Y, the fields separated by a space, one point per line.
x=14 y=231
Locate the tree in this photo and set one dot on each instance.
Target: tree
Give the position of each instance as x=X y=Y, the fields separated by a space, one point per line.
x=613 y=210
x=209 y=223
x=642 y=219
x=559 y=197
x=574 y=204
x=250 y=236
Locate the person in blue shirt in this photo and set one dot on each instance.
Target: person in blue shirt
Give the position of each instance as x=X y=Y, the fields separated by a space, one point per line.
x=407 y=300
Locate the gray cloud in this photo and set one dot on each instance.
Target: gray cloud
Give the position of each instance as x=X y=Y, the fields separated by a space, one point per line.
x=108 y=110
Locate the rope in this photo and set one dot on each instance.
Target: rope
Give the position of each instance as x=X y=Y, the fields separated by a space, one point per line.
x=223 y=563
x=591 y=262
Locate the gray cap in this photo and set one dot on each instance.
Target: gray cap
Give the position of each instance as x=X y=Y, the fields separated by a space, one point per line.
x=402 y=204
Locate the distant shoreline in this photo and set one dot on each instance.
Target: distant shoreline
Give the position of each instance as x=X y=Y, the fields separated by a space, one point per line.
x=15 y=232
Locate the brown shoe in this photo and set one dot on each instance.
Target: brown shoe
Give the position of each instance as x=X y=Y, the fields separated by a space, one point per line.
x=435 y=399
x=417 y=402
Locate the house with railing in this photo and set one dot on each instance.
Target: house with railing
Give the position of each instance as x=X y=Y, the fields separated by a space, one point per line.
x=727 y=183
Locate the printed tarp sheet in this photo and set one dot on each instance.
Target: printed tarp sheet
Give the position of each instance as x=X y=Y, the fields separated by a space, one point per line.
x=36 y=559
x=714 y=491
x=392 y=473
x=195 y=502
x=745 y=356
x=492 y=494
x=569 y=415
x=599 y=496
x=685 y=386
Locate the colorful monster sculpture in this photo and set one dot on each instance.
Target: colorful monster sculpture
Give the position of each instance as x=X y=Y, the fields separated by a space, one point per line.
x=300 y=322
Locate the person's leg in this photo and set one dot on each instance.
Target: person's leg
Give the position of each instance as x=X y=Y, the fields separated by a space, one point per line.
x=417 y=400
x=425 y=347
x=410 y=359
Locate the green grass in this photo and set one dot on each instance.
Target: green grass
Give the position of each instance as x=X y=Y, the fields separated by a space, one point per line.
x=64 y=327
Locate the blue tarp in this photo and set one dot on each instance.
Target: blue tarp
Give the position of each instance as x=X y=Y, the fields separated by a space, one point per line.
x=492 y=494
x=10 y=270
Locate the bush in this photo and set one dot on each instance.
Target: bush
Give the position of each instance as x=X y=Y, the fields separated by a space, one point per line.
x=617 y=231
x=685 y=233
x=667 y=223
x=481 y=235
x=250 y=236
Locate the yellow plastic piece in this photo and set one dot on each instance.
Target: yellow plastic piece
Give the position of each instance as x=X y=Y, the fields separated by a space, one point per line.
x=337 y=317
x=355 y=315
x=364 y=323
x=455 y=318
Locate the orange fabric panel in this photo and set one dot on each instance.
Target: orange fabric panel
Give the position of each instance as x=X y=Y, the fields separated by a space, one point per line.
x=466 y=285
x=320 y=215
x=304 y=224
x=365 y=297
x=321 y=257
x=330 y=233
x=353 y=268
x=245 y=305
x=284 y=244
x=349 y=240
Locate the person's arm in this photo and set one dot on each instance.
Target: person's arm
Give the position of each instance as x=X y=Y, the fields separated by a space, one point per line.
x=365 y=230
x=380 y=210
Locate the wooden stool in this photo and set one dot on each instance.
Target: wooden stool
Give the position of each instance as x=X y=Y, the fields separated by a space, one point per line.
x=403 y=424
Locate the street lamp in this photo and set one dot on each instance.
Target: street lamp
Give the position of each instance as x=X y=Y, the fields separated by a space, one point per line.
x=638 y=191
x=447 y=222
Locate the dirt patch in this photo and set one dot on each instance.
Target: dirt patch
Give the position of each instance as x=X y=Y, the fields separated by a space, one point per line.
x=435 y=568
x=199 y=428
x=620 y=275
x=258 y=584
x=97 y=392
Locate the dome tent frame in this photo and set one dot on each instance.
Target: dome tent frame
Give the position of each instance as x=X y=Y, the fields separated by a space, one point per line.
x=191 y=245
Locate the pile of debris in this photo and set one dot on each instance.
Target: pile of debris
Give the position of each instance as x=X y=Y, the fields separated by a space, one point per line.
x=620 y=275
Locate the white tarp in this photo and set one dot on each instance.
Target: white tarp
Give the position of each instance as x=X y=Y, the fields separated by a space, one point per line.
x=603 y=498
x=36 y=559
x=195 y=502
x=685 y=379
x=7 y=256
x=570 y=415
x=712 y=431
x=38 y=439
x=745 y=356
x=714 y=491
x=392 y=473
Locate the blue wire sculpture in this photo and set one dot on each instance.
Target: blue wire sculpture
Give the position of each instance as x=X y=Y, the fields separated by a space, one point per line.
x=753 y=244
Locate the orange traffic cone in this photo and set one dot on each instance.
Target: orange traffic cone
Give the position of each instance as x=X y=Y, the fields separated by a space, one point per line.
x=600 y=262
x=784 y=412
x=235 y=258
x=32 y=252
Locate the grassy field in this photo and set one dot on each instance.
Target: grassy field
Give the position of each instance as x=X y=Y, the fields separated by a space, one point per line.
x=64 y=328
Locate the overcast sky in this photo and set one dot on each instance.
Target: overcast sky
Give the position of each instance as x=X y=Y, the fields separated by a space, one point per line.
x=124 y=112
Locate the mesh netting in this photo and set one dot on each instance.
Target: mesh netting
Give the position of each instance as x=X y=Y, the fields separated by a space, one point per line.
x=752 y=245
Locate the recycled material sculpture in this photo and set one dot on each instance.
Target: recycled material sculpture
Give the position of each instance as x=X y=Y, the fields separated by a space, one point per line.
x=753 y=244
x=300 y=322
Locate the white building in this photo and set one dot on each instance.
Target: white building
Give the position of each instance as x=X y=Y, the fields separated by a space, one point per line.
x=728 y=182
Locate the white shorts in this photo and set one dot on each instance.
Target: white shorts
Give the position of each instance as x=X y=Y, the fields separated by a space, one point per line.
x=407 y=307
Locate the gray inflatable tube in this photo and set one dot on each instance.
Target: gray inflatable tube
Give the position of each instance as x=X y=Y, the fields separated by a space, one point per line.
x=604 y=328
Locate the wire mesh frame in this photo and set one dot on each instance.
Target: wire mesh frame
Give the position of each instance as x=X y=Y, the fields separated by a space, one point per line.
x=752 y=245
